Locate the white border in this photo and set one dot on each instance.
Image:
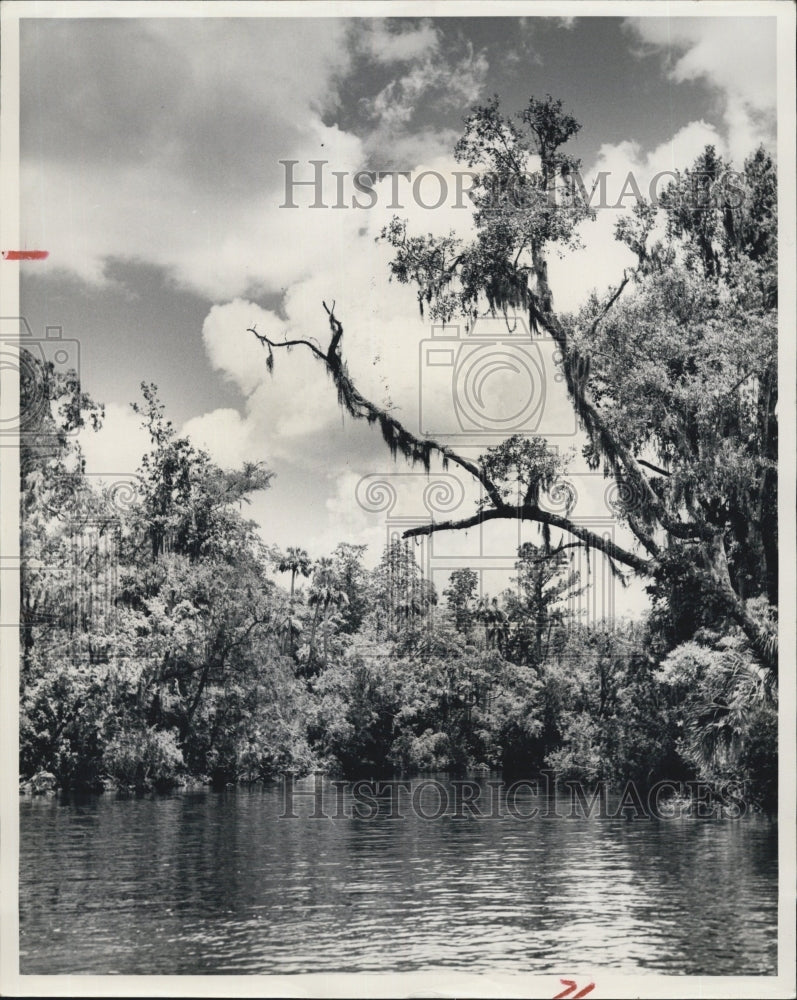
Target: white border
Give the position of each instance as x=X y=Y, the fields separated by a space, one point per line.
x=444 y=983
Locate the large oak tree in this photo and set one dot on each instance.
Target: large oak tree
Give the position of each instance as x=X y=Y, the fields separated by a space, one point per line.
x=672 y=373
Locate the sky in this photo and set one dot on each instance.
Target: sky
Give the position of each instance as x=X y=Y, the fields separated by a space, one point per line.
x=151 y=171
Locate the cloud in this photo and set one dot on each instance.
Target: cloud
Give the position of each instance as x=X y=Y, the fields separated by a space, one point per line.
x=118 y=447
x=350 y=519
x=233 y=351
x=153 y=149
x=440 y=81
x=733 y=55
x=450 y=84
x=218 y=246
x=295 y=402
x=173 y=160
x=225 y=436
x=386 y=41
x=627 y=168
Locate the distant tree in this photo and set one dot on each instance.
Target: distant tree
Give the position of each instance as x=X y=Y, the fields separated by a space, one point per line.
x=188 y=503
x=403 y=597
x=354 y=581
x=496 y=623
x=545 y=581
x=326 y=595
x=294 y=561
x=460 y=596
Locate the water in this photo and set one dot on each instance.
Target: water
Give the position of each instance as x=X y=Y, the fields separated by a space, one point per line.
x=215 y=882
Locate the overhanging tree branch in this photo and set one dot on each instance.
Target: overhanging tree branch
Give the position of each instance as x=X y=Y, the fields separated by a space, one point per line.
x=415 y=450
x=399 y=439
x=396 y=436
x=530 y=512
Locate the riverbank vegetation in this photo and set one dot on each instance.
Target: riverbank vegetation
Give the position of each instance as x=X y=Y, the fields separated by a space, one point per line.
x=164 y=639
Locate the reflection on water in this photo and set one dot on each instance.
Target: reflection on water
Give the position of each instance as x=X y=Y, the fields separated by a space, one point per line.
x=217 y=883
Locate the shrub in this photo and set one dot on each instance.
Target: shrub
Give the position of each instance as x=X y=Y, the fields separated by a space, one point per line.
x=144 y=758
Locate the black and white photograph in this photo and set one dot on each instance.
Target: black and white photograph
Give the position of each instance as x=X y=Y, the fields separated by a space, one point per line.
x=397 y=456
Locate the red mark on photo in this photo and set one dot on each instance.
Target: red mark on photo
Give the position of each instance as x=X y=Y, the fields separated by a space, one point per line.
x=26 y=254
x=571 y=985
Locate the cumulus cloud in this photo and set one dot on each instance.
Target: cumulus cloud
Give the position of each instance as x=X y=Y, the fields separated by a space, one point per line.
x=116 y=449
x=454 y=81
x=225 y=435
x=184 y=154
x=296 y=402
x=383 y=333
x=185 y=158
x=733 y=55
x=217 y=246
x=233 y=351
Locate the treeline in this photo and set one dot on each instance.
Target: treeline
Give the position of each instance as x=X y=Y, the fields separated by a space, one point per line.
x=164 y=641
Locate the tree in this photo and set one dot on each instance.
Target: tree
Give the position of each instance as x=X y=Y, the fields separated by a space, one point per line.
x=177 y=668
x=326 y=594
x=189 y=504
x=693 y=462
x=64 y=524
x=353 y=579
x=403 y=597
x=544 y=581
x=726 y=704
x=294 y=561
x=496 y=623
x=460 y=594
x=52 y=407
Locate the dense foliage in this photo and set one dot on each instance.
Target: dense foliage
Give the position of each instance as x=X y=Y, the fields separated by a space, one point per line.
x=163 y=639
x=672 y=374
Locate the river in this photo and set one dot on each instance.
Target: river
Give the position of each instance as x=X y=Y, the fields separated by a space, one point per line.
x=217 y=882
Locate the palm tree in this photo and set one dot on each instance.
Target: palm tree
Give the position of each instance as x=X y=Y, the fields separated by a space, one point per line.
x=721 y=719
x=290 y=629
x=294 y=561
x=325 y=595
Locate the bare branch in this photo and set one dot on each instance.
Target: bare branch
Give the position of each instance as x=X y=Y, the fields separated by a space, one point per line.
x=654 y=468
x=530 y=512
x=266 y=341
x=609 y=304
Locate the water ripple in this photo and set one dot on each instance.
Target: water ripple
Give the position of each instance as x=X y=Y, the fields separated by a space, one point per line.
x=217 y=883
